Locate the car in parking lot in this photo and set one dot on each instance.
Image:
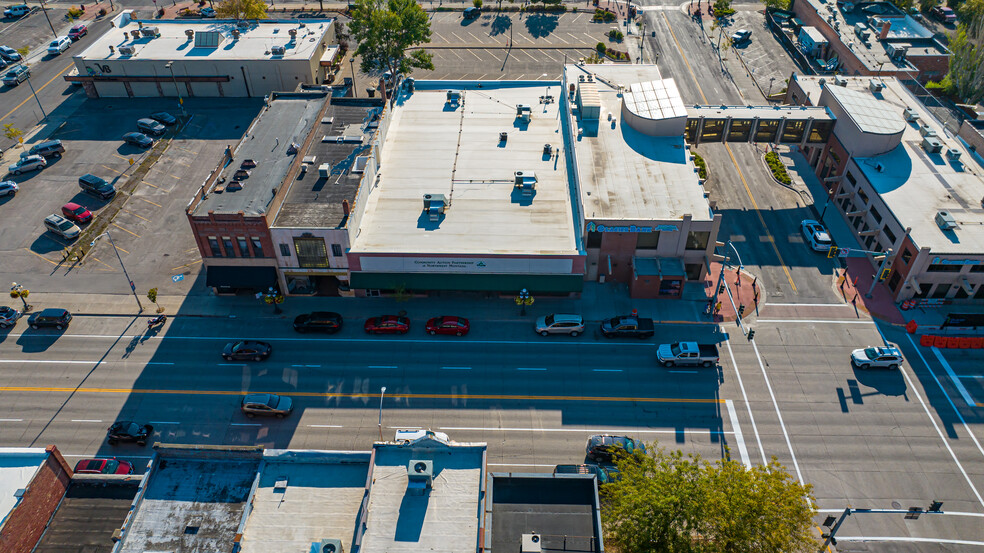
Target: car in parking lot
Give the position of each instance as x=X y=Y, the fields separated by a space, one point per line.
x=3 y=63
x=16 y=76
x=816 y=235
x=319 y=321
x=77 y=213
x=247 y=350
x=62 y=227
x=29 y=163
x=103 y=466
x=560 y=323
x=740 y=36
x=8 y=316
x=138 y=139
x=472 y=12
x=59 y=45
x=943 y=14
x=52 y=317
x=48 y=148
x=888 y=357
x=207 y=12
x=454 y=326
x=150 y=126
x=164 y=118
x=9 y=54
x=387 y=324
x=96 y=186
x=19 y=10
x=267 y=405
x=602 y=447
x=129 y=431
x=8 y=188
x=78 y=31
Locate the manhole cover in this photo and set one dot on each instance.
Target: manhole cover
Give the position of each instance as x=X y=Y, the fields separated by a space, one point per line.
x=896 y=505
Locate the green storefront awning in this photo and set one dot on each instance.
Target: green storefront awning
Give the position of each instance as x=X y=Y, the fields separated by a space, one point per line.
x=484 y=283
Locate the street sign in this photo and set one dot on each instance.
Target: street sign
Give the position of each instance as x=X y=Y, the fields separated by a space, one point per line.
x=177 y=278
x=133 y=286
x=844 y=252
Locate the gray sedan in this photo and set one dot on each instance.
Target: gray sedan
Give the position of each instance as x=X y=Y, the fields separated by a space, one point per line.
x=267 y=405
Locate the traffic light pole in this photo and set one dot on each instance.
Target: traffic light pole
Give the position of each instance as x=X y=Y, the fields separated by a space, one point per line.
x=881 y=270
x=935 y=508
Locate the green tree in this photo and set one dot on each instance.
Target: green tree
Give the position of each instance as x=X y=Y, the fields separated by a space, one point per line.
x=385 y=31
x=682 y=504
x=722 y=8
x=477 y=3
x=24 y=51
x=12 y=132
x=778 y=4
x=242 y=9
x=152 y=296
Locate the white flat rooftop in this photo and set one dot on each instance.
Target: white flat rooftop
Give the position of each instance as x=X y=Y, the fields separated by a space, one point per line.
x=18 y=465
x=255 y=40
x=624 y=174
x=433 y=148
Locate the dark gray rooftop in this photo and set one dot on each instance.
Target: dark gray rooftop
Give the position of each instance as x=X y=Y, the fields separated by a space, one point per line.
x=87 y=517
x=287 y=118
x=561 y=509
x=314 y=201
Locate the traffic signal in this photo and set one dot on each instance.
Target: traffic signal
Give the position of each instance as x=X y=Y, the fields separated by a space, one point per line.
x=751 y=334
x=826 y=535
x=935 y=507
x=741 y=310
x=832 y=252
x=885 y=272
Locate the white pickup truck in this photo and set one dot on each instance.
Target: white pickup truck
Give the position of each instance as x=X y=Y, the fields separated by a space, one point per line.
x=687 y=354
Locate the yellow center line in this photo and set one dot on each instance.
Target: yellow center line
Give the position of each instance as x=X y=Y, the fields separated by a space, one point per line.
x=361 y=395
x=185 y=265
x=682 y=55
x=18 y=106
x=124 y=230
x=148 y=201
x=41 y=256
x=135 y=215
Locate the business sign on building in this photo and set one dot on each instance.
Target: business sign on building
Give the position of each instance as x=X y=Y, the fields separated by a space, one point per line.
x=940 y=261
x=594 y=227
x=493 y=265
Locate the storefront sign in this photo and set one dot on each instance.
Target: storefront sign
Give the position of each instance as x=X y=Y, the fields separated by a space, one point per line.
x=592 y=227
x=493 y=265
x=938 y=261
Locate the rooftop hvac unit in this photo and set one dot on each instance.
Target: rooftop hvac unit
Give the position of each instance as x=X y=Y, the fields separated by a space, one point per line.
x=910 y=115
x=420 y=474
x=324 y=170
x=945 y=221
x=926 y=130
x=435 y=205
x=840 y=80
x=152 y=32
x=524 y=112
x=875 y=85
x=190 y=33
x=531 y=543
x=278 y=50
x=127 y=50
x=953 y=154
x=327 y=546
x=861 y=31
x=932 y=145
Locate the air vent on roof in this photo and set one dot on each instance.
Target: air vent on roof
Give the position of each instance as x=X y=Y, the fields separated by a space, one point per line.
x=875 y=85
x=208 y=39
x=152 y=32
x=234 y=33
x=861 y=31
x=435 y=205
x=135 y=34
x=531 y=543
x=525 y=181
x=190 y=33
x=926 y=130
x=953 y=154
x=278 y=50
x=420 y=474
x=127 y=50
x=840 y=80
x=524 y=112
x=327 y=546
x=292 y=33
x=932 y=145
x=945 y=221
x=910 y=115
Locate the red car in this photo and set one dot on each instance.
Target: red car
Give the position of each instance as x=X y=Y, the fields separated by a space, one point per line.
x=76 y=212
x=388 y=324
x=456 y=326
x=103 y=466
x=78 y=31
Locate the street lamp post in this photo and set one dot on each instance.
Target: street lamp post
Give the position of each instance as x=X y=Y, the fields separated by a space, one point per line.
x=36 y=99
x=133 y=287
x=45 y=12
x=830 y=198
x=523 y=299
x=771 y=80
x=725 y=262
x=170 y=67
x=355 y=89
x=18 y=291
x=382 y=391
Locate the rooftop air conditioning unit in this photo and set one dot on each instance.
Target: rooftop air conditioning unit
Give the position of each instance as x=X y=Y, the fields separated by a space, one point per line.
x=531 y=543
x=910 y=115
x=435 y=205
x=952 y=154
x=840 y=80
x=327 y=546
x=932 y=145
x=875 y=85
x=152 y=32
x=324 y=170
x=945 y=221
x=127 y=50
x=926 y=130
x=278 y=50
x=861 y=30
x=421 y=476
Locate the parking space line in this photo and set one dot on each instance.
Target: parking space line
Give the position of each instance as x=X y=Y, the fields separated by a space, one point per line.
x=146 y=200
x=111 y=169
x=174 y=176
x=100 y=261
x=41 y=256
x=489 y=52
x=185 y=265
x=122 y=250
x=472 y=52
x=135 y=215
x=125 y=230
x=18 y=106
x=126 y=159
x=153 y=186
x=191 y=250
x=953 y=377
x=460 y=40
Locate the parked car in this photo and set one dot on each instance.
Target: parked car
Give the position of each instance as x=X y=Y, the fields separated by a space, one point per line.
x=319 y=321
x=628 y=326
x=604 y=474
x=29 y=163
x=103 y=466
x=247 y=350
x=138 y=139
x=16 y=75
x=207 y=12
x=877 y=357
x=78 y=31
x=387 y=324
x=20 y=10
x=472 y=12
x=559 y=323
x=62 y=227
x=48 y=148
x=164 y=118
x=740 y=36
x=688 y=354
x=602 y=447
x=3 y=63
x=150 y=126
x=9 y=54
x=943 y=14
x=59 y=45
x=53 y=316
x=455 y=326
x=8 y=188
x=8 y=316
x=129 y=431
x=267 y=405
x=816 y=235
x=96 y=186
x=77 y=213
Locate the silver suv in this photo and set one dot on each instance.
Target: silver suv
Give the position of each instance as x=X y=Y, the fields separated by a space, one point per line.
x=62 y=227
x=877 y=357
x=559 y=323
x=29 y=163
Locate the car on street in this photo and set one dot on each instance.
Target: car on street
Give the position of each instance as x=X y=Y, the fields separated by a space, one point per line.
x=628 y=326
x=52 y=317
x=560 y=323
x=75 y=212
x=601 y=447
x=78 y=31
x=62 y=227
x=247 y=350
x=877 y=357
x=319 y=321
x=450 y=325
x=138 y=139
x=8 y=316
x=741 y=36
x=16 y=76
x=816 y=235
x=604 y=474
x=150 y=126
x=3 y=63
x=387 y=324
x=207 y=12
x=943 y=14
x=8 y=188
x=48 y=148
x=96 y=186
x=59 y=45
x=164 y=118
x=103 y=466
x=129 y=431
x=9 y=54
x=270 y=405
x=19 y=10
x=26 y=164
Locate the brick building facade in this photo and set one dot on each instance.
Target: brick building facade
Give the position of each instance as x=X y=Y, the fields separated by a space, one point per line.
x=25 y=524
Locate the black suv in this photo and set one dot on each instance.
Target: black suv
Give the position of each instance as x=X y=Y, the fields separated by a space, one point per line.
x=128 y=431
x=96 y=186
x=601 y=448
x=58 y=318
x=319 y=321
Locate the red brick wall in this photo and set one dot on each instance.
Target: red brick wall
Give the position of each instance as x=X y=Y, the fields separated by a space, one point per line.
x=621 y=246
x=27 y=521
x=233 y=226
x=931 y=68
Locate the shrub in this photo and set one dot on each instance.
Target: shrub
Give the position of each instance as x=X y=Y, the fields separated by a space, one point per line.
x=477 y=3
x=102 y=11
x=777 y=168
x=75 y=13
x=600 y=47
x=619 y=36
x=701 y=166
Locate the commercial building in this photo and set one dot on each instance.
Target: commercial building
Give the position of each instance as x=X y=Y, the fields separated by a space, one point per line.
x=205 y=57
x=88 y=516
x=902 y=182
x=32 y=483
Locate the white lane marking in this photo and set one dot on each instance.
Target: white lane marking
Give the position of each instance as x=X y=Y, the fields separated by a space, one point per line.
x=607 y=370
x=383 y=367
x=582 y=430
x=816 y=321
x=121 y=456
x=11 y=420
x=684 y=372
x=951 y=513
x=775 y=403
x=231 y=364
x=456 y=368
x=529 y=369
x=325 y=426
x=810 y=304
x=306 y=366
x=748 y=405
x=739 y=438
x=933 y=420
x=534 y=465
x=163 y=422
x=956 y=382
x=86 y=420
x=77 y=362
x=909 y=539
x=970 y=376
x=244 y=424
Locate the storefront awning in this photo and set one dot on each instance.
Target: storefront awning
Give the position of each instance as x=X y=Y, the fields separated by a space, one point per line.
x=240 y=277
x=485 y=283
x=662 y=267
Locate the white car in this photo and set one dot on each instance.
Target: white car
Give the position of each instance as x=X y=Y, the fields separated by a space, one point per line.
x=59 y=45
x=877 y=357
x=816 y=235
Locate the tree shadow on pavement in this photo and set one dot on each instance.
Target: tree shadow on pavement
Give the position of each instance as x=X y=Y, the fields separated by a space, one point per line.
x=500 y=24
x=540 y=25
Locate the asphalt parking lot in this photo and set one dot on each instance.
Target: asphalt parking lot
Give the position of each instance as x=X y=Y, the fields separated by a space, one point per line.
x=763 y=55
x=500 y=63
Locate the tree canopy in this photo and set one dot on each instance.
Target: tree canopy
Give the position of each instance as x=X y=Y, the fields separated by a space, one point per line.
x=683 y=504
x=966 y=76
x=385 y=31
x=242 y=9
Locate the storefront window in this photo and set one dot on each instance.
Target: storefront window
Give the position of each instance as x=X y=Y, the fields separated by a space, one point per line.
x=697 y=240
x=672 y=288
x=594 y=239
x=693 y=270
x=647 y=241
x=213 y=244
x=311 y=252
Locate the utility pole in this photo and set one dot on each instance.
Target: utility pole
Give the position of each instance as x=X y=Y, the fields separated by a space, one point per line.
x=45 y=12
x=877 y=276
